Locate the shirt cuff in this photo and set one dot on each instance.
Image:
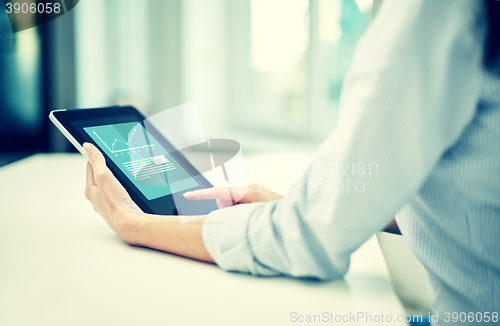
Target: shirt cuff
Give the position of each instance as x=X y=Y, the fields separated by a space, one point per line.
x=225 y=236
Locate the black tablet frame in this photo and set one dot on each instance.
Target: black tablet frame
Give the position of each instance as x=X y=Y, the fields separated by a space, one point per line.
x=76 y=119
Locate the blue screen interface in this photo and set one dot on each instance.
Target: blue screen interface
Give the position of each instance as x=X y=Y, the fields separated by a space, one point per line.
x=142 y=159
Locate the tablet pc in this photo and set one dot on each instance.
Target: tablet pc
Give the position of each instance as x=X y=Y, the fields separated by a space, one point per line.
x=151 y=169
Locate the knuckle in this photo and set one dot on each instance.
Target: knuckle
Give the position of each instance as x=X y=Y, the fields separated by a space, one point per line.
x=101 y=174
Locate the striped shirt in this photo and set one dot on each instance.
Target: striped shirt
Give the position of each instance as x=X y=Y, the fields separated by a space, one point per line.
x=418 y=137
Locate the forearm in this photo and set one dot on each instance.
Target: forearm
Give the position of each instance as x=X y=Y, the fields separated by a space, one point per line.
x=166 y=233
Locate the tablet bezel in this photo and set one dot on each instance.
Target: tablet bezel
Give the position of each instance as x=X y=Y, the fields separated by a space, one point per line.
x=71 y=124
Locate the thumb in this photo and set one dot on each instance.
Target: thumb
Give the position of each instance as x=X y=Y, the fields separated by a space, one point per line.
x=97 y=161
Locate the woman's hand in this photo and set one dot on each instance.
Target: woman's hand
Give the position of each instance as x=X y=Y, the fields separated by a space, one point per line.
x=108 y=196
x=112 y=201
x=255 y=193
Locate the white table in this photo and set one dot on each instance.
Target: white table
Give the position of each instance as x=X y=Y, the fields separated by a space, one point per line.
x=60 y=264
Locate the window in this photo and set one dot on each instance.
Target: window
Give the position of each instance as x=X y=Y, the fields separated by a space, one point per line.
x=22 y=97
x=128 y=52
x=272 y=66
x=289 y=61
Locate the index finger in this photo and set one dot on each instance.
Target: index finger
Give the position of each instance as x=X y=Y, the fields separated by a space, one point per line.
x=209 y=193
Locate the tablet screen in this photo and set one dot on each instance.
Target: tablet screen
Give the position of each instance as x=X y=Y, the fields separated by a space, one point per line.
x=142 y=159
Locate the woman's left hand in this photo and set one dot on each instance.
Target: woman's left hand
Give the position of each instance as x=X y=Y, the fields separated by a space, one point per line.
x=108 y=196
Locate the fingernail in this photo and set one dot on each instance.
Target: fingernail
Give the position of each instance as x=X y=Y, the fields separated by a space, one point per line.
x=187 y=193
x=86 y=147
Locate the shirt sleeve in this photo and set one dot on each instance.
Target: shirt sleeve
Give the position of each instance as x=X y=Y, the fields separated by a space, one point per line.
x=411 y=91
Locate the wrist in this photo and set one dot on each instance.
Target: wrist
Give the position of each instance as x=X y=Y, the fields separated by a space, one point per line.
x=128 y=226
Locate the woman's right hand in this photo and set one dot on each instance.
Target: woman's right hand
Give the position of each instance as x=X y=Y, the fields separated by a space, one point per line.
x=255 y=193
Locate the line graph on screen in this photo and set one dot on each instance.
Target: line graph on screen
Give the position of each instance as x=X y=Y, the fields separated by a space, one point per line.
x=122 y=143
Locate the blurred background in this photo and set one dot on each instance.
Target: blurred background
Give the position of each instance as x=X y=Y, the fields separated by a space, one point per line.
x=267 y=73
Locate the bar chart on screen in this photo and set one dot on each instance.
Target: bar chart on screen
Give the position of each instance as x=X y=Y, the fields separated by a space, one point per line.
x=145 y=168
